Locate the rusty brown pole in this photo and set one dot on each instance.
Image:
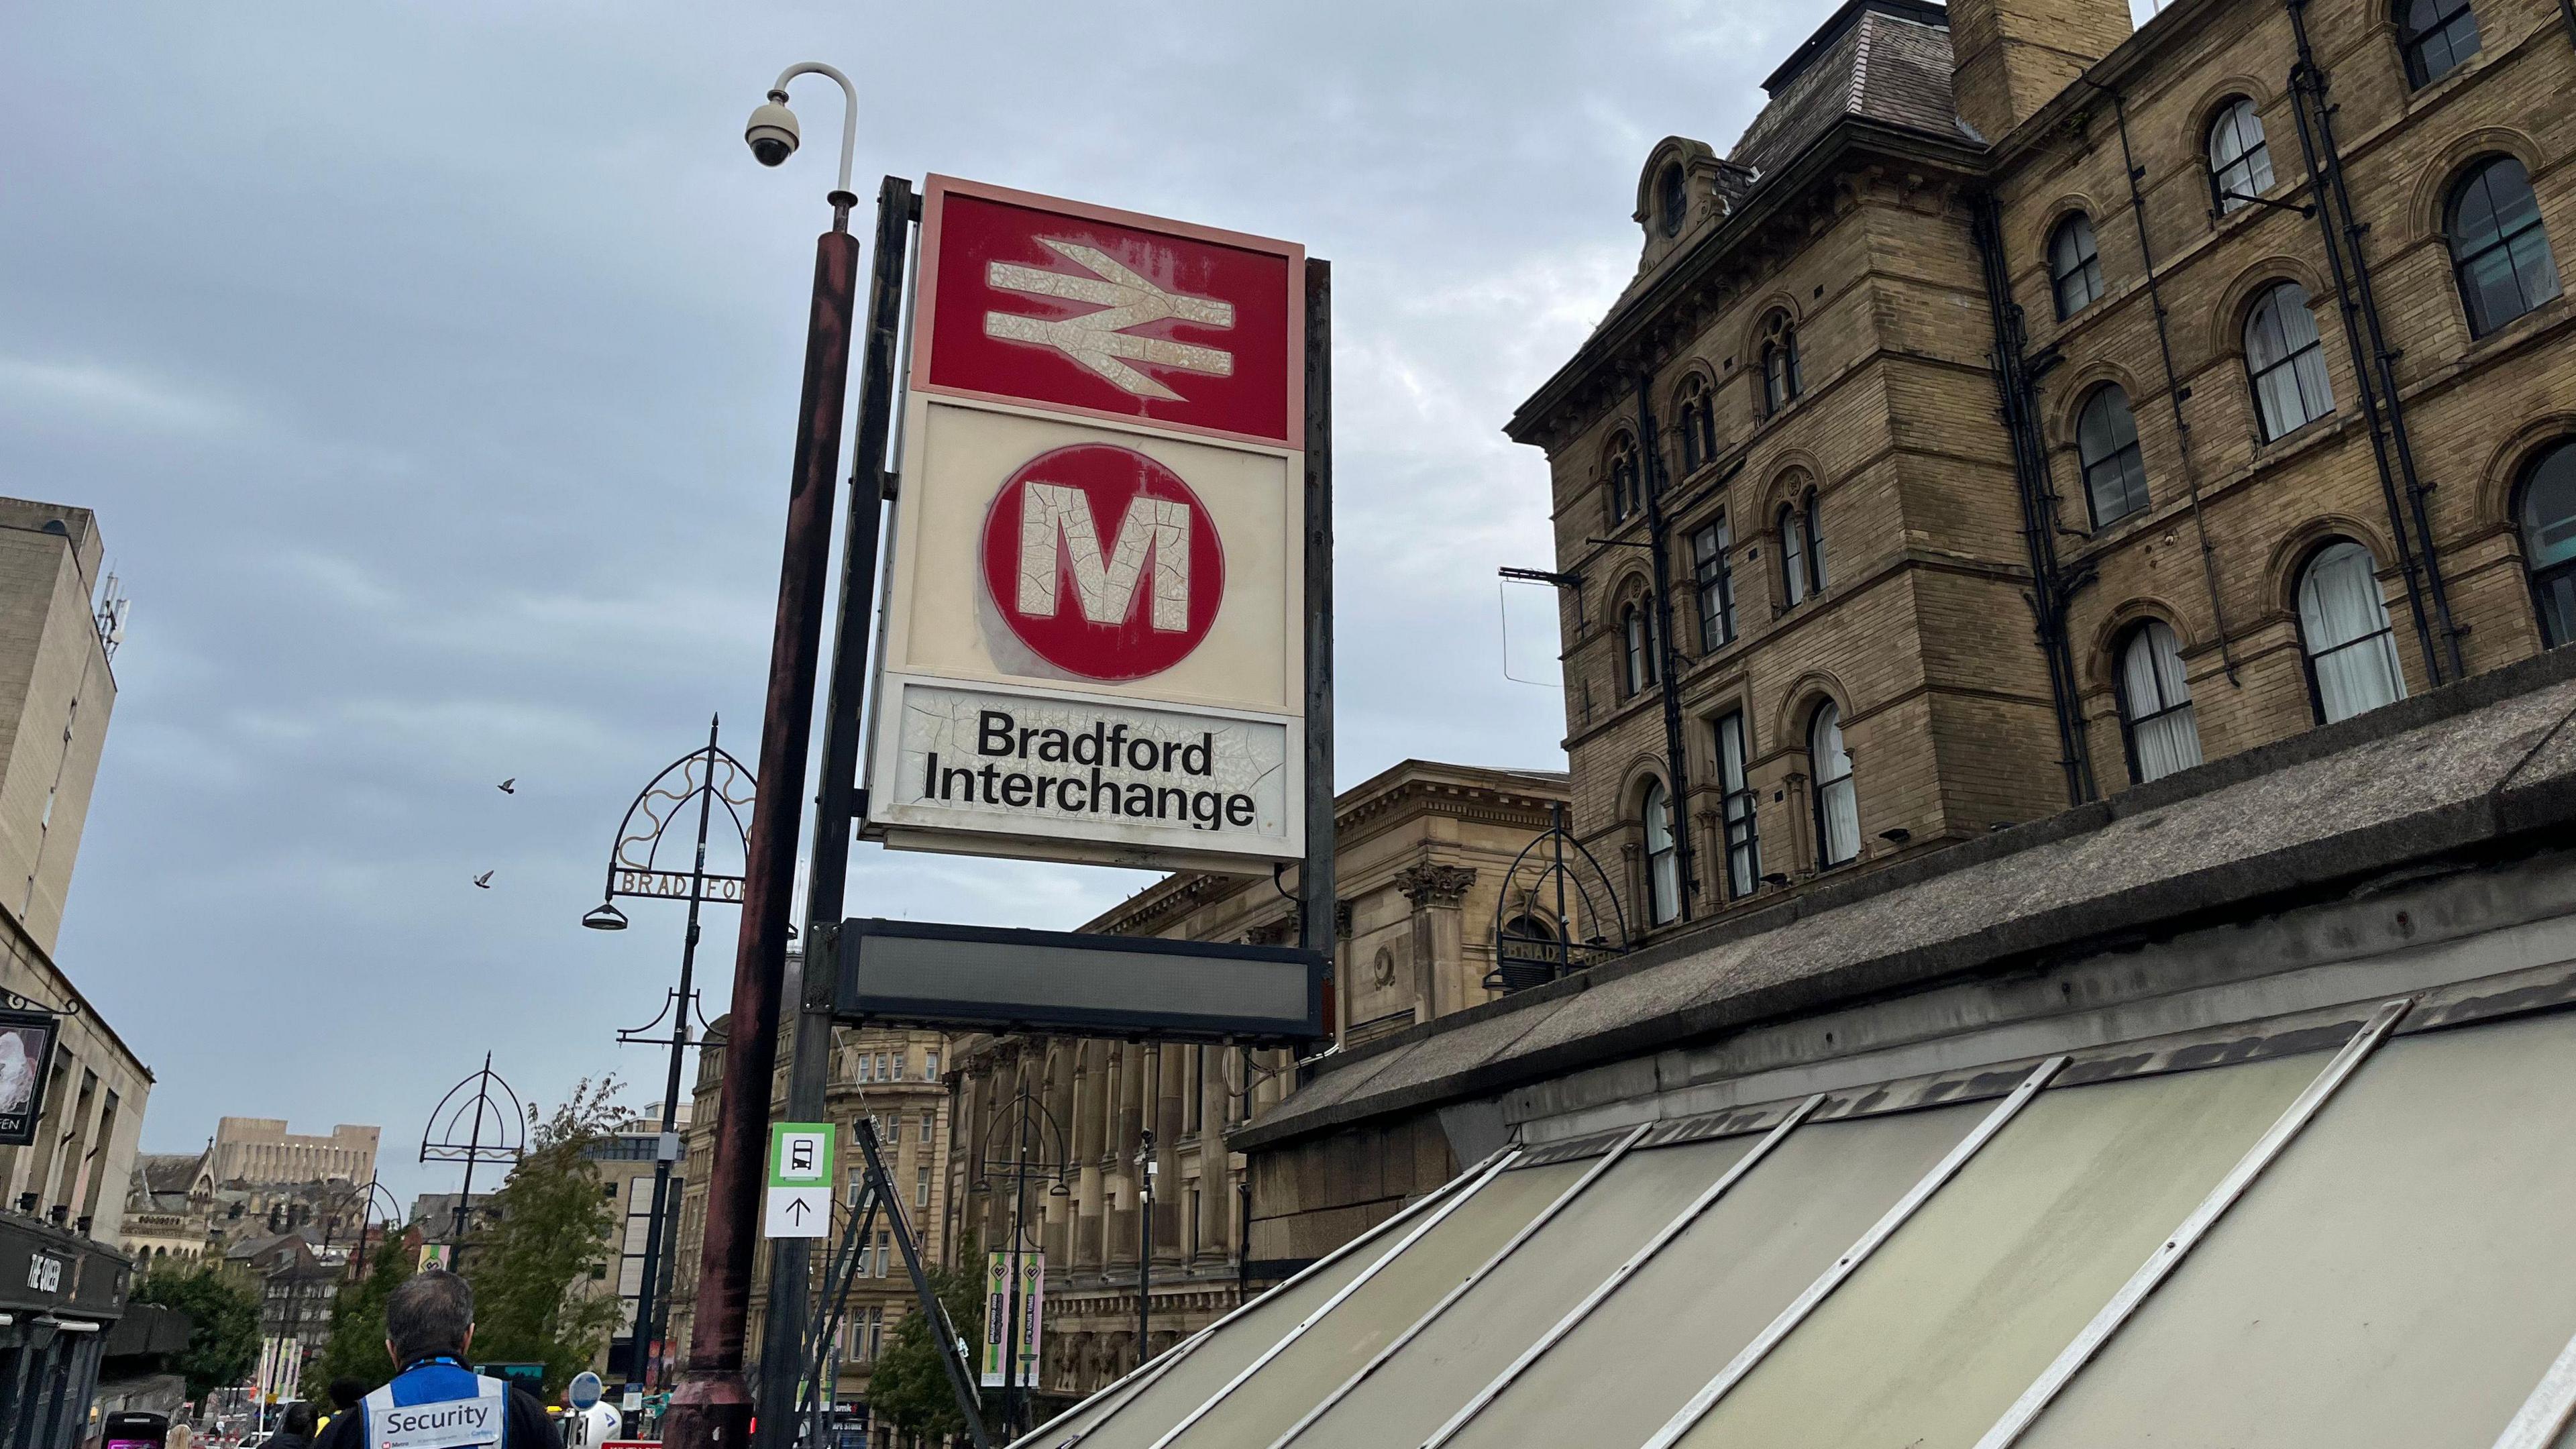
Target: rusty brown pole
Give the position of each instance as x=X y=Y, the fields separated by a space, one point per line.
x=711 y=1406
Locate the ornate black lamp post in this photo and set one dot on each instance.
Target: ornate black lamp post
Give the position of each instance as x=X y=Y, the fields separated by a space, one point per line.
x=692 y=785
x=495 y=1108
x=1035 y=1150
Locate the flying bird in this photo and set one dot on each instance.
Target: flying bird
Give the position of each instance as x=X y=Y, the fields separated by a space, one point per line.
x=483 y=882
x=510 y=786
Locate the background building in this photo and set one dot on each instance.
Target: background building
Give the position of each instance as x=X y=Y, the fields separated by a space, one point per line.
x=626 y=1162
x=1424 y=865
x=261 y=1150
x=1914 y=359
x=63 y=1198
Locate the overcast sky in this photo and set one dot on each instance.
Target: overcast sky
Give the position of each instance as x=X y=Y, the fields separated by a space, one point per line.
x=432 y=371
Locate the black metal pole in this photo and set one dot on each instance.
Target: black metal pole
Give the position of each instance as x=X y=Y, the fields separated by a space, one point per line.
x=961 y=1382
x=642 y=1355
x=712 y=1405
x=473 y=1150
x=1145 y=1249
x=827 y=872
x=1318 y=909
x=1667 y=659
x=1014 y=1396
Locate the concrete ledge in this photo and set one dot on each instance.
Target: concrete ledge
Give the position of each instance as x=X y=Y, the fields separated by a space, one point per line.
x=2456 y=772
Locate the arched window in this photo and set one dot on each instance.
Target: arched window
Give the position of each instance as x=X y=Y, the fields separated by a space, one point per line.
x=2437 y=35
x=2074 y=265
x=1802 y=551
x=1672 y=199
x=1837 y=805
x=2499 y=249
x=1637 y=644
x=2106 y=439
x=1781 y=380
x=2155 y=704
x=2240 y=163
x=2548 y=516
x=1627 y=494
x=2286 y=361
x=1663 y=857
x=2344 y=630
x=1697 y=421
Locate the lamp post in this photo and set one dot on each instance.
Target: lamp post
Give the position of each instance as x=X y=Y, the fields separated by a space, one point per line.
x=1031 y=1126
x=509 y=1124
x=711 y=1405
x=1146 y=1168
x=703 y=778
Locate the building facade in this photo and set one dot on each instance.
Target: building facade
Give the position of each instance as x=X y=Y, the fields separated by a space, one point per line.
x=1431 y=859
x=626 y=1162
x=261 y=1150
x=2024 y=408
x=58 y=624
x=891 y=1077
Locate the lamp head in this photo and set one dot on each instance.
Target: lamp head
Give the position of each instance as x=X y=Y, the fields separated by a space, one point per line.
x=772 y=133
x=605 y=917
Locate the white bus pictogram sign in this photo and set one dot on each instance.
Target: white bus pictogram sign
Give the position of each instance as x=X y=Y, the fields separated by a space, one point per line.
x=1092 y=647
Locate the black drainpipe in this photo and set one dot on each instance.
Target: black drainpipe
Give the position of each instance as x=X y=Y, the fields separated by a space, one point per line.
x=2051 y=587
x=1667 y=662
x=2374 y=364
x=2175 y=392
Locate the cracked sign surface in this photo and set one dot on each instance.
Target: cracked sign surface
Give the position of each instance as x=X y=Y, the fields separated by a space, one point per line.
x=1070 y=308
x=1093 y=645
x=983 y=759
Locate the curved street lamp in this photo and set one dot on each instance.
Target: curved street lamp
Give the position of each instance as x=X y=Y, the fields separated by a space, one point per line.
x=704 y=778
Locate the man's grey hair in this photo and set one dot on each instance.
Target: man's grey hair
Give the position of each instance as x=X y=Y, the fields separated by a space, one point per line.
x=428 y=1313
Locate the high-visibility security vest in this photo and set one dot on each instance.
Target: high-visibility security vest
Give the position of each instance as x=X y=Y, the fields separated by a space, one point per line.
x=437 y=1405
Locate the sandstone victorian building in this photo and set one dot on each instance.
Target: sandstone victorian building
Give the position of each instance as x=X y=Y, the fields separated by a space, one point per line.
x=1424 y=865
x=2024 y=408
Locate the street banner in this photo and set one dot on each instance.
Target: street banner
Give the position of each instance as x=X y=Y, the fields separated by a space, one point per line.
x=997 y=1316
x=26 y=1061
x=1094 y=613
x=435 y=1257
x=799 y=1203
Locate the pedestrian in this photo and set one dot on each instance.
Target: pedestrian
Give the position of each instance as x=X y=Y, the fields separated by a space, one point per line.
x=294 y=1428
x=435 y=1401
x=345 y=1393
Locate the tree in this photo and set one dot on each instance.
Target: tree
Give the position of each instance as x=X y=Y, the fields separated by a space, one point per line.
x=548 y=1237
x=356 y=1348
x=908 y=1386
x=223 y=1319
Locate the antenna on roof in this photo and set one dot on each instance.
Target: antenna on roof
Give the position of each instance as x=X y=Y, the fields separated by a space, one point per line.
x=112 y=609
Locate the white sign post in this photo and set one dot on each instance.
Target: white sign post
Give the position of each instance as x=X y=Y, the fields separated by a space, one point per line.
x=799 y=1204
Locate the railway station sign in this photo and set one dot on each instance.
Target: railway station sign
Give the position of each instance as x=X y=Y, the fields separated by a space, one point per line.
x=1094 y=606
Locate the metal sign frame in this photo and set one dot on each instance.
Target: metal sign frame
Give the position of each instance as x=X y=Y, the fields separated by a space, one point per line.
x=967 y=955
x=36 y=1033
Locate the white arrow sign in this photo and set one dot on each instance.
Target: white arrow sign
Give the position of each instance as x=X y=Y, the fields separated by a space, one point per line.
x=1098 y=340
x=797 y=1212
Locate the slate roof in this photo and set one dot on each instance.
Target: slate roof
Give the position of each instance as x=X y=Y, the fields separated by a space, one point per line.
x=1880 y=60
x=2445 y=774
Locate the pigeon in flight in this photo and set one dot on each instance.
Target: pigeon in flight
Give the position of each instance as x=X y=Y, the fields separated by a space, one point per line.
x=483 y=882
x=510 y=786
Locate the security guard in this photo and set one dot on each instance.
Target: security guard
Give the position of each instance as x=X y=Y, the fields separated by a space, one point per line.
x=436 y=1402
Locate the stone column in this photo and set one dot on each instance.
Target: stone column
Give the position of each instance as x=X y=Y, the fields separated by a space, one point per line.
x=1439 y=936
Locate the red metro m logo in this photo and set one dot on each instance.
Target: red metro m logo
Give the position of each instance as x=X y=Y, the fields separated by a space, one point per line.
x=1103 y=562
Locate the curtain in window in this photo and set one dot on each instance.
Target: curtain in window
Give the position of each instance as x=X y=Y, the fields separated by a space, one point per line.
x=2162 y=733
x=2343 y=623
x=2286 y=360
x=2548 y=516
x=1632 y=629
x=1793 y=556
x=1815 y=543
x=2240 y=162
x=1663 y=859
x=1743 y=848
x=1837 y=804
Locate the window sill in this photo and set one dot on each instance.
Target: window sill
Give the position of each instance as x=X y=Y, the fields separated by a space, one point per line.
x=2538 y=319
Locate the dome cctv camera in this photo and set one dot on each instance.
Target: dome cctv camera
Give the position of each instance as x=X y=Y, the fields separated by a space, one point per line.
x=772 y=132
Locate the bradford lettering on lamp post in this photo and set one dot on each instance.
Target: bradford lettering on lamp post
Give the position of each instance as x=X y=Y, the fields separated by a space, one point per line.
x=691 y=788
